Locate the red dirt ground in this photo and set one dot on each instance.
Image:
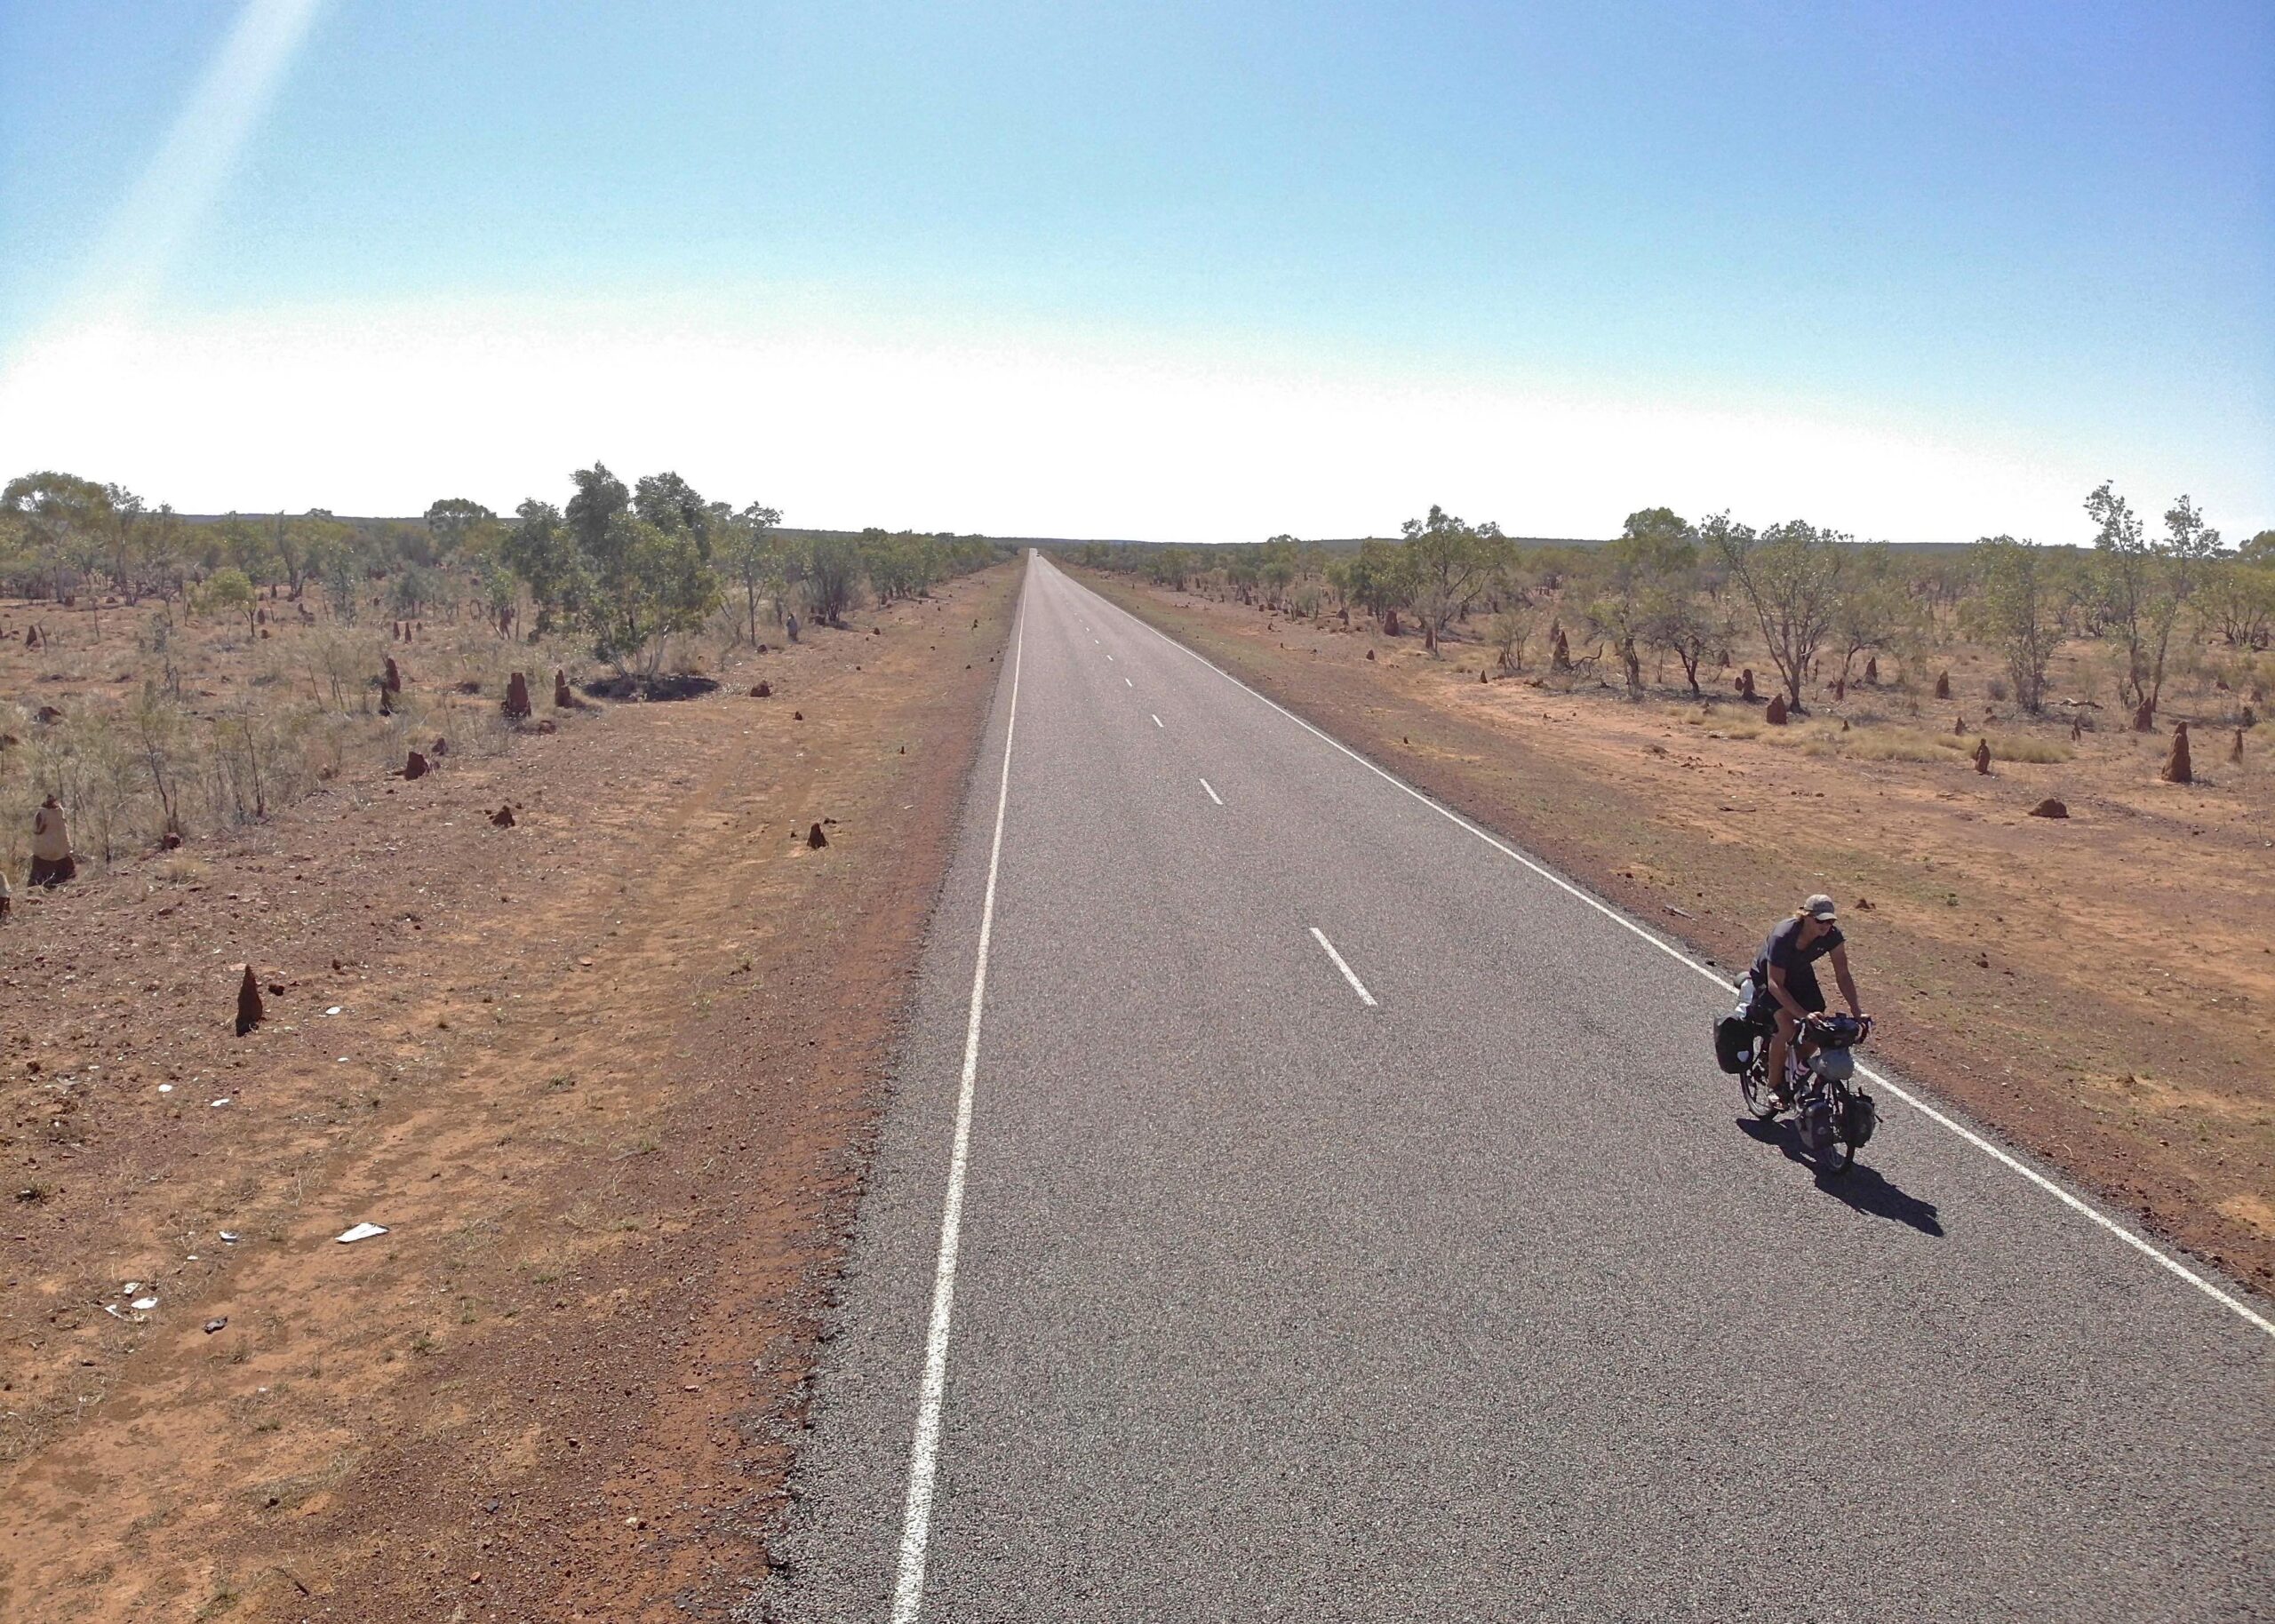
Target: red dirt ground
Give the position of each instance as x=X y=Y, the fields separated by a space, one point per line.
x=605 y=1076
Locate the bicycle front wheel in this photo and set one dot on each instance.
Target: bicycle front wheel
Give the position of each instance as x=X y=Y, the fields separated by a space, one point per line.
x=1754 y=1088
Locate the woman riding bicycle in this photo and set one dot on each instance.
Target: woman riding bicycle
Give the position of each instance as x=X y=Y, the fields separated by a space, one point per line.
x=1784 y=978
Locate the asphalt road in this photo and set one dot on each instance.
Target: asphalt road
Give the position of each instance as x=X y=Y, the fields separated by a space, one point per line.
x=1479 y=1302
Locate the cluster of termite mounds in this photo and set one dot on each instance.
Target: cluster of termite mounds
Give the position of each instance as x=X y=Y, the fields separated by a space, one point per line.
x=251 y=1010
x=1778 y=710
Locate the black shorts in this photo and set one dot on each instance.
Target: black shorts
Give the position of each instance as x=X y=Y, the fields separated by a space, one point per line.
x=1805 y=992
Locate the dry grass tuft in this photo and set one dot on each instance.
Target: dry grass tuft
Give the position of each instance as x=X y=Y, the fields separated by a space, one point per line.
x=1893 y=745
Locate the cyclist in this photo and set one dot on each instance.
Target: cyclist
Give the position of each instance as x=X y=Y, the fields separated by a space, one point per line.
x=1784 y=977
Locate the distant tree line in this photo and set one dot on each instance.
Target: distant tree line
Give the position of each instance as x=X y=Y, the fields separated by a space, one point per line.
x=625 y=567
x=1820 y=604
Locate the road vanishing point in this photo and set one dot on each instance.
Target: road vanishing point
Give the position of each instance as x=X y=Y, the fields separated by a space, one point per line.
x=1295 y=1203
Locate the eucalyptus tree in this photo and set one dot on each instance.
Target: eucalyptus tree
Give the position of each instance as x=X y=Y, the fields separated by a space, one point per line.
x=1449 y=562
x=56 y=512
x=1874 y=610
x=671 y=504
x=542 y=550
x=756 y=556
x=2238 y=601
x=1791 y=576
x=2019 y=606
x=1277 y=566
x=1170 y=566
x=1647 y=576
x=833 y=576
x=2145 y=583
x=1382 y=577
x=458 y=525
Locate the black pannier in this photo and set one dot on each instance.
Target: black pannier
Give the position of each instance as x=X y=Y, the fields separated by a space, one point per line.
x=1862 y=1117
x=1732 y=1043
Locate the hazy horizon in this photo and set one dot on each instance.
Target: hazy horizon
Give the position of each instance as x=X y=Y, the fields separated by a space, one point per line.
x=1177 y=274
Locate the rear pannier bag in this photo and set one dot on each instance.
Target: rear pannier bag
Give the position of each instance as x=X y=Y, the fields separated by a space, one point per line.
x=1732 y=1043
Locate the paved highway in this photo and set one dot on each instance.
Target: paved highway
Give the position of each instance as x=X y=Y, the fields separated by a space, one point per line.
x=1345 y=1220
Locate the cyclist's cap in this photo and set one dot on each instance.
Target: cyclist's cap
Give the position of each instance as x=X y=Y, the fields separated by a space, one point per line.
x=1820 y=907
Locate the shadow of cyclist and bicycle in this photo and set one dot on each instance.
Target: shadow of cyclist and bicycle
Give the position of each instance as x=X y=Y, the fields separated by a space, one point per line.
x=1860 y=1188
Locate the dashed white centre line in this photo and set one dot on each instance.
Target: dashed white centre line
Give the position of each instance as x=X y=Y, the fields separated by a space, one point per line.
x=1109 y=659
x=1157 y=721
x=1357 y=986
x=1212 y=788
x=1126 y=682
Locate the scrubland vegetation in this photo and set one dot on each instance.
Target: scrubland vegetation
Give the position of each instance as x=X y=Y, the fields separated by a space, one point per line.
x=169 y=676
x=1670 y=603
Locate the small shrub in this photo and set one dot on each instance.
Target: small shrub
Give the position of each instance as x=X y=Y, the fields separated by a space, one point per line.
x=1808 y=740
x=1893 y=744
x=2024 y=747
x=2010 y=747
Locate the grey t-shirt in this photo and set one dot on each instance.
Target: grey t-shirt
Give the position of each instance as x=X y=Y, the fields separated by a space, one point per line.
x=1784 y=952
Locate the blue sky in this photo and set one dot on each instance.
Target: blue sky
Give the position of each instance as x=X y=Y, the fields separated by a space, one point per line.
x=1921 y=271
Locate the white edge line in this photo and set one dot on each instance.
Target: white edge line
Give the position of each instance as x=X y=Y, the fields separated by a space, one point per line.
x=923 y=1455
x=1997 y=1153
x=1212 y=788
x=1357 y=986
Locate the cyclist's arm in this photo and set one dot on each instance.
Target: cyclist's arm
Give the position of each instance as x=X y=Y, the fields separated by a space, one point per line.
x=1847 y=983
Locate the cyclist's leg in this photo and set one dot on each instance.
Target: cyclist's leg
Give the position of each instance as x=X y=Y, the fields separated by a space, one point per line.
x=1811 y=998
x=1780 y=1042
